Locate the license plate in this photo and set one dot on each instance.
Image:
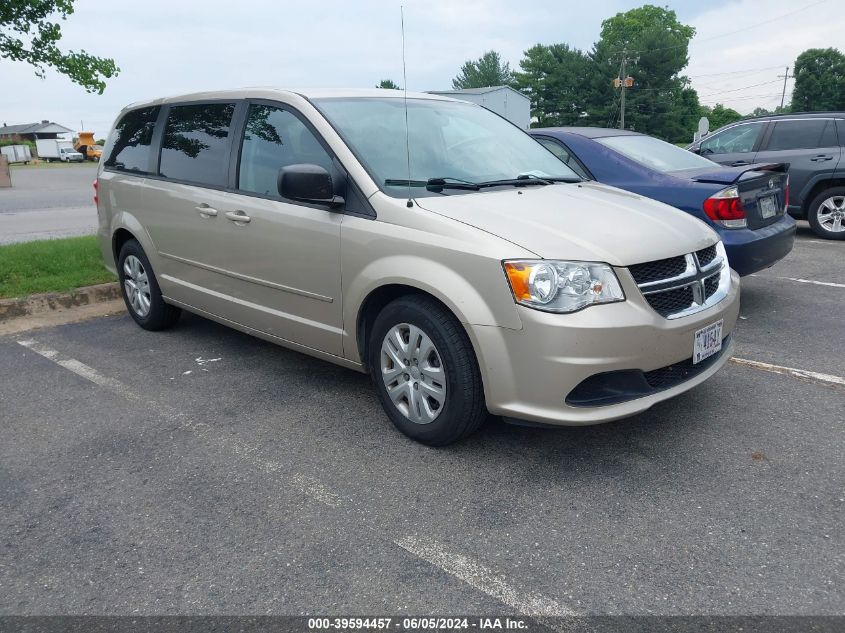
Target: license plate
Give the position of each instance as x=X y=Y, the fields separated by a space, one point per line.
x=768 y=207
x=708 y=341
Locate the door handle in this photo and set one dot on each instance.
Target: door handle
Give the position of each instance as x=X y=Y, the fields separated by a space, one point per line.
x=821 y=158
x=238 y=217
x=740 y=163
x=206 y=211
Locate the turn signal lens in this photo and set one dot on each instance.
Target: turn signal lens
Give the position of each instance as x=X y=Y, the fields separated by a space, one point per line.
x=96 y=190
x=562 y=286
x=726 y=208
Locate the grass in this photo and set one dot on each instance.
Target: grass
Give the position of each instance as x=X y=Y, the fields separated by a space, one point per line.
x=51 y=266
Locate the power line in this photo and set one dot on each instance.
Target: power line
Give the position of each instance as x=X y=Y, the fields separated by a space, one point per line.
x=713 y=94
x=721 y=35
x=735 y=72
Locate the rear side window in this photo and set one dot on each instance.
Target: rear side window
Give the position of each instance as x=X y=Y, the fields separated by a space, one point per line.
x=195 y=147
x=806 y=134
x=275 y=138
x=130 y=141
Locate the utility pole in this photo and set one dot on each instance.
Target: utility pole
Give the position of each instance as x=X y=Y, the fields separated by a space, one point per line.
x=785 y=76
x=623 y=81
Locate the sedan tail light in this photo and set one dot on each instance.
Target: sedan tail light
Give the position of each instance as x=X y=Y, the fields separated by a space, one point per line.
x=725 y=208
x=96 y=189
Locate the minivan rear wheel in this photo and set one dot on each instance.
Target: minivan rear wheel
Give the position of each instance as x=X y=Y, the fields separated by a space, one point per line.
x=425 y=371
x=827 y=214
x=140 y=289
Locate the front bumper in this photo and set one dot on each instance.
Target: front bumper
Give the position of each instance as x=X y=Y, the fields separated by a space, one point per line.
x=529 y=373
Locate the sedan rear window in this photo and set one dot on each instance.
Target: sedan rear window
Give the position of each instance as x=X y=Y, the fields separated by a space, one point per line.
x=654 y=153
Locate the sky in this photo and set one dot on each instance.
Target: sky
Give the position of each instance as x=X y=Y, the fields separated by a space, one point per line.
x=175 y=46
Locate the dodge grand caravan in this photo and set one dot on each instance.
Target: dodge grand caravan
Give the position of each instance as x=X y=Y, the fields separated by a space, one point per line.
x=428 y=242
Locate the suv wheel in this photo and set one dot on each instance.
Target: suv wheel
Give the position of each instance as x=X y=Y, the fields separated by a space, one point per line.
x=827 y=214
x=425 y=372
x=141 y=293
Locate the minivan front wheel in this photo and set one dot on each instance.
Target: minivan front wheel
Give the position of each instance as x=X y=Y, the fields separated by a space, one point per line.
x=425 y=372
x=827 y=214
x=140 y=290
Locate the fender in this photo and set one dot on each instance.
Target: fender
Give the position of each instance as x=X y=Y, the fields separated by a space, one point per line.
x=472 y=303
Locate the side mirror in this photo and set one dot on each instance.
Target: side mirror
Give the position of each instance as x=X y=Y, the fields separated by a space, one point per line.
x=696 y=150
x=308 y=183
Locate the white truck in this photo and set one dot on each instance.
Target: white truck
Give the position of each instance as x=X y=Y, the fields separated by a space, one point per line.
x=51 y=149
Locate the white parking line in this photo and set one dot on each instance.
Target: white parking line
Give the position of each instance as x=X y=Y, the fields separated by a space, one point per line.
x=458 y=565
x=803 y=281
x=483 y=579
x=791 y=371
x=305 y=485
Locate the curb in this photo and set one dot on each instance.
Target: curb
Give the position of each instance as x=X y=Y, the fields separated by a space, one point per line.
x=39 y=304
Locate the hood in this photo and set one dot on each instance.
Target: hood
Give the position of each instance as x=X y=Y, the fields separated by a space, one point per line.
x=726 y=175
x=586 y=221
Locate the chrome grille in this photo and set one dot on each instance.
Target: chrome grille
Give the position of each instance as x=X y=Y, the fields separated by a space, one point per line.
x=686 y=284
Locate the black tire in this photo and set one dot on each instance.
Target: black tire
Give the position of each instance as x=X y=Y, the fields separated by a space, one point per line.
x=464 y=410
x=161 y=315
x=813 y=214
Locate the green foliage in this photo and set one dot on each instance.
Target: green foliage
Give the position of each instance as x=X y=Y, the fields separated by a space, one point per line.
x=31 y=144
x=51 y=266
x=30 y=33
x=553 y=78
x=764 y=112
x=819 y=80
x=719 y=115
x=487 y=70
x=388 y=84
x=656 y=44
x=101 y=142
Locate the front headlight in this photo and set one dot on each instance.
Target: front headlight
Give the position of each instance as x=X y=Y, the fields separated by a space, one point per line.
x=561 y=286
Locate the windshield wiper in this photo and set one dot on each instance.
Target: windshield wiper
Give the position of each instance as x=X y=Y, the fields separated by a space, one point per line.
x=519 y=181
x=445 y=182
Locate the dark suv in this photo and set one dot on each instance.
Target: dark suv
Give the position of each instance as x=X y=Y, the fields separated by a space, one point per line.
x=811 y=143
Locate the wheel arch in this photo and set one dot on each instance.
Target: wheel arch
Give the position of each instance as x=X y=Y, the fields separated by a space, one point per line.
x=816 y=188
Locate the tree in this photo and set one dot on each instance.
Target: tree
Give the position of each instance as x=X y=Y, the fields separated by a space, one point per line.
x=487 y=70
x=655 y=46
x=819 y=80
x=389 y=84
x=30 y=33
x=719 y=115
x=553 y=77
x=765 y=112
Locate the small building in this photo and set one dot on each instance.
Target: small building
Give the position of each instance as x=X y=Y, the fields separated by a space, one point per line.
x=503 y=100
x=32 y=131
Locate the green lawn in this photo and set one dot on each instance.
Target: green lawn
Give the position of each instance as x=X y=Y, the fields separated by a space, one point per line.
x=51 y=266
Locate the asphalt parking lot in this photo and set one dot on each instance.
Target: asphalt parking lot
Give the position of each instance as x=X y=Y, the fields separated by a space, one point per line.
x=48 y=201
x=201 y=471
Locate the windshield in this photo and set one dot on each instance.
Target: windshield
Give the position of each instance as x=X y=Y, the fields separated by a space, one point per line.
x=654 y=153
x=454 y=141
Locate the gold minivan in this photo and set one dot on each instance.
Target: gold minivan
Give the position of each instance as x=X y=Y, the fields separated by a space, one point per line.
x=424 y=240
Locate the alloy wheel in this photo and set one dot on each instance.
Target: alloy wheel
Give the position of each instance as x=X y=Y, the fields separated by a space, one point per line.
x=831 y=214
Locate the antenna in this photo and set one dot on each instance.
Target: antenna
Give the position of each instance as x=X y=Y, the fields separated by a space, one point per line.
x=410 y=203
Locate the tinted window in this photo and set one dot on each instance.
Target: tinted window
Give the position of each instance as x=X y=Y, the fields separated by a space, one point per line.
x=654 y=153
x=275 y=138
x=196 y=143
x=130 y=141
x=563 y=154
x=740 y=138
x=555 y=148
x=805 y=134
